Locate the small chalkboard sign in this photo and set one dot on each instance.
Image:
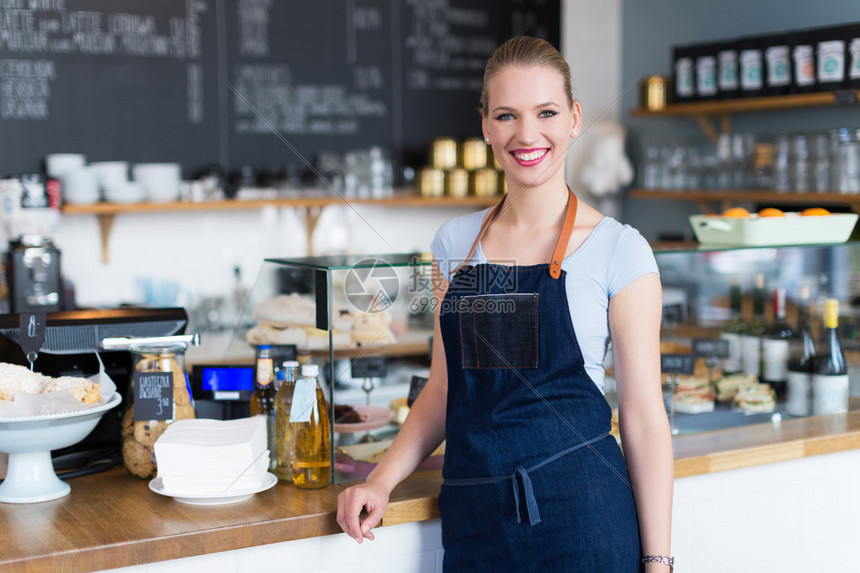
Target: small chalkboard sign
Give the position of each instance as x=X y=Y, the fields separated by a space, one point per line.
x=677 y=363
x=374 y=367
x=31 y=333
x=711 y=347
x=673 y=313
x=415 y=386
x=845 y=97
x=153 y=396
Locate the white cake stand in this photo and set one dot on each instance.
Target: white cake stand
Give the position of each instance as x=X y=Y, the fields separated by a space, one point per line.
x=30 y=476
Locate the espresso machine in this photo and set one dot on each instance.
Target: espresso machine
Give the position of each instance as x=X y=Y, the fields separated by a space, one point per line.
x=30 y=213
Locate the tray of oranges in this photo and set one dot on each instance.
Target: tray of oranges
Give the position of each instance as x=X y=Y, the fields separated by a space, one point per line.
x=739 y=227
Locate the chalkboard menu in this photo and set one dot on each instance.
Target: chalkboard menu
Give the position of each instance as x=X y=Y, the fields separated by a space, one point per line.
x=246 y=82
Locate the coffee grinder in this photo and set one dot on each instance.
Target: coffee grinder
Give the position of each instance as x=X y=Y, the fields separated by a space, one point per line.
x=30 y=213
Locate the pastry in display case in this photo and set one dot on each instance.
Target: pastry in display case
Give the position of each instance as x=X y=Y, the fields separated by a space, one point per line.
x=366 y=321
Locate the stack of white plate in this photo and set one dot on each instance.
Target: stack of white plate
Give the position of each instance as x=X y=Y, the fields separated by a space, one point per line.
x=58 y=163
x=80 y=185
x=160 y=181
x=114 y=183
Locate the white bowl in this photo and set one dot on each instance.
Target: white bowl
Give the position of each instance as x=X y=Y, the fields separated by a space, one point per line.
x=125 y=192
x=30 y=476
x=58 y=163
x=109 y=173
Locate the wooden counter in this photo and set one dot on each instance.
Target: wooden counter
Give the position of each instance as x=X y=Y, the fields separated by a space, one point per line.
x=113 y=519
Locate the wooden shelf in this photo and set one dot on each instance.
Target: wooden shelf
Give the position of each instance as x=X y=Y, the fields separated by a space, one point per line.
x=742 y=105
x=725 y=198
x=401 y=198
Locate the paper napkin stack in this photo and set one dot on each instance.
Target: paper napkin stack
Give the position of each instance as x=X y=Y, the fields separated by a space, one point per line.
x=213 y=456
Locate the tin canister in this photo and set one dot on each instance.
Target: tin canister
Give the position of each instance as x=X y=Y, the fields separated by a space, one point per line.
x=653 y=94
x=443 y=153
x=484 y=182
x=457 y=183
x=473 y=153
x=431 y=182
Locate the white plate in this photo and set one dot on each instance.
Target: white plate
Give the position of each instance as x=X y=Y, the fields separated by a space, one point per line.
x=269 y=481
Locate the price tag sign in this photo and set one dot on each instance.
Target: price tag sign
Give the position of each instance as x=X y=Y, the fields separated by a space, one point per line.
x=31 y=333
x=375 y=367
x=415 y=386
x=673 y=313
x=153 y=396
x=715 y=347
x=677 y=363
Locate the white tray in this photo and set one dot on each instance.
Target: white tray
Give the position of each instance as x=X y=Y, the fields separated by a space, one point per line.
x=793 y=229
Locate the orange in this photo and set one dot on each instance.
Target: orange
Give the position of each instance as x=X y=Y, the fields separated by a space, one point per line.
x=771 y=212
x=815 y=212
x=736 y=213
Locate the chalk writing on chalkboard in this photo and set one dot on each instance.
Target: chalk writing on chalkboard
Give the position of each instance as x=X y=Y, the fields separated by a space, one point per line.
x=153 y=396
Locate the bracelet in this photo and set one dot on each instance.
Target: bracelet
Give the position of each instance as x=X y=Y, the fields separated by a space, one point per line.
x=664 y=559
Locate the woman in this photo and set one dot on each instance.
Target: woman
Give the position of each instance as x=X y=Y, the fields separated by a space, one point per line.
x=532 y=479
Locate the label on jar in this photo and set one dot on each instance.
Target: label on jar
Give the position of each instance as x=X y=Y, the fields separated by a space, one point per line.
x=728 y=74
x=751 y=76
x=684 y=77
x=831 y=61
x=733 y=362
x=706 y=76
x=304 y=398
x=854 y=68
x=829 y=394
x=751 y=355
x=799 y=389
x=153 y=396
x=804 y=66
x=775 y=359
x=778 y=66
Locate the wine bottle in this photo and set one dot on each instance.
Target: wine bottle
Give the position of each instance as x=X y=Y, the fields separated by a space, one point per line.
x=263 y=399
x=801 y=362
x=830 y=373
x=310 y=435
x=283 y=402
x=751 y=338
x=732 y=330
x=775 y=346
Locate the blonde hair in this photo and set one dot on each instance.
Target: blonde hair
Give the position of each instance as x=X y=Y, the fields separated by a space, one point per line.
x=525 y=51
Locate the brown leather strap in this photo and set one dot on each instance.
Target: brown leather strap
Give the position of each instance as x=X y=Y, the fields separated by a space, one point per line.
x=560 y=246
x=563 y=237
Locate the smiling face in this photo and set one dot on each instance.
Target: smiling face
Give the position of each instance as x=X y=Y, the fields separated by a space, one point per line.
x=529 y=121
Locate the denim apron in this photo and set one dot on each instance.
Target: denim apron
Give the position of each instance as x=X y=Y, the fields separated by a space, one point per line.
x=532 y=479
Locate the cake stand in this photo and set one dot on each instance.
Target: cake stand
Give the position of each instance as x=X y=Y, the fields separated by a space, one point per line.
x=30 y=476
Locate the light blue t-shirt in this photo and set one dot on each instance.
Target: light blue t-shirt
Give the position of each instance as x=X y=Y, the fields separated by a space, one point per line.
x=611 y=257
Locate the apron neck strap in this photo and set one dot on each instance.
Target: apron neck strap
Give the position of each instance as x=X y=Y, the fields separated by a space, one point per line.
x=563 y=237
x=560 y=246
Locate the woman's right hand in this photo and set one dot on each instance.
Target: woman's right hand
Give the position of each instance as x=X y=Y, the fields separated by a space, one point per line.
x=350 y=503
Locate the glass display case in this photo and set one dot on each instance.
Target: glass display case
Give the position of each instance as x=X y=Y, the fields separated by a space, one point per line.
x=367 y=322
x=696 y=303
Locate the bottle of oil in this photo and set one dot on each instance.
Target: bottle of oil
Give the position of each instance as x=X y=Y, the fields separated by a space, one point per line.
x=310 y=433
x=283 y=401
x=263 y=398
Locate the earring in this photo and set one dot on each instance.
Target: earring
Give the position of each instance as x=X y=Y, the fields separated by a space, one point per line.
x=487 y=139
x=575 y=133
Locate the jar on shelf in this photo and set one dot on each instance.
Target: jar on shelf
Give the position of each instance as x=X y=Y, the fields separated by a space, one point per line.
x=158 y=395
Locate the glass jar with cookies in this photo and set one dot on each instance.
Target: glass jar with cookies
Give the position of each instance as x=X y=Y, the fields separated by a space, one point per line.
x=158 y=395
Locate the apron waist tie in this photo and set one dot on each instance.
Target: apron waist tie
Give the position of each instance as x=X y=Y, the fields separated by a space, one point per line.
x=521 y=475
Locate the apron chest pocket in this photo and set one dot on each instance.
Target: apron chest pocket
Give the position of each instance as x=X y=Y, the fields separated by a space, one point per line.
x=499 y=331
